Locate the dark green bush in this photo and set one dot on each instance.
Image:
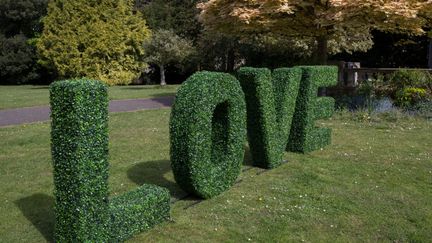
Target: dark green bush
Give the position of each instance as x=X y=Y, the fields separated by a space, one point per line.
x=270 y=100
x=207 y=133
x=410 y=87
x=405 y=87
x=79 y=111
x=305 y=136
x=137 y=210
x=410 y=78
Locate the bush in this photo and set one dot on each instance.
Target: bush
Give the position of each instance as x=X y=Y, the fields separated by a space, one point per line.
x=409 y=87
x=207 y=133
x=270 y=100
x=83 y=213
x=79 y=111
x=304 y=136
x=410 y=78
x=407 y=97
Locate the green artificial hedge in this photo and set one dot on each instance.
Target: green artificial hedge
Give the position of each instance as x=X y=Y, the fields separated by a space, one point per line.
x=79 y=142
x=305 y=136
x=137 y=210
x=270 y=100
x=207 y=133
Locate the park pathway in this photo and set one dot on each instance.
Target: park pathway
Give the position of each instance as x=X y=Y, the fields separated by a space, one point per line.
x=42 y=113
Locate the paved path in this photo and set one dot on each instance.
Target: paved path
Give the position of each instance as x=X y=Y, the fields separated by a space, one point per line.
x=42 y=113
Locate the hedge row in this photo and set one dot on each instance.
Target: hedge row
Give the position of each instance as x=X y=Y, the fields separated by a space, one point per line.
x=208 y=133
x=305 y=136
x=83 y=213
x=270 y=100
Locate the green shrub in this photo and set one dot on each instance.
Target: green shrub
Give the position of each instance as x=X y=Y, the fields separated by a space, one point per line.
x=207 y=133
x=270 y=100
x=409 y=87
x=79 y=111
x=410 y=96
x=410 y=78
x=305 y=136
x=137 y=210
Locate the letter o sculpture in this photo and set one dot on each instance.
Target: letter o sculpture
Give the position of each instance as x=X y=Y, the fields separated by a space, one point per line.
x=208 y=133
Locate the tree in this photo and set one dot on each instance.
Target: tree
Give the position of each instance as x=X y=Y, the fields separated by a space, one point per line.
x=97 y=39
x=345 y=25
x=177 y=15
x=180 y=16
x=19 y=23
x=17 y=60
x=167 y=47
x=426 y=13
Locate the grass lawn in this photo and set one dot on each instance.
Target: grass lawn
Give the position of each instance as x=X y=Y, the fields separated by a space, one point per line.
x=374 y=183
x=30 y=95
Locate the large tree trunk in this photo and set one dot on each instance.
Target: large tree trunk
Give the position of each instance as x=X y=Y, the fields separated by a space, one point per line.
x=322 y=51
x=162 y=75
x=430 y=54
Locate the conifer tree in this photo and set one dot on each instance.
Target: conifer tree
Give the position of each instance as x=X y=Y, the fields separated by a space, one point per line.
x=19 y=24
x=96 y=39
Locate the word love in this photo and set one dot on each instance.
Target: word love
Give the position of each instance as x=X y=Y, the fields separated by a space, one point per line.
x=212 y=115
x=212 y=111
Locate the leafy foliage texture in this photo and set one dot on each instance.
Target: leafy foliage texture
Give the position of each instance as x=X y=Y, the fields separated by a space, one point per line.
x=207 y=133
x=17 y=60
x=344 y=25
x=96 y=39
x=304 y=135
x=19 y=24
x=79 y=140
x=80 y=154
x=166 y=47
x=176 y=15
x=270 y=100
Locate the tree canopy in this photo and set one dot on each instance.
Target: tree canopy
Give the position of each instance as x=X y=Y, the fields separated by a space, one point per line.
x=19 y=23
x=96 y=39
x=177 y=15
x=346 y=25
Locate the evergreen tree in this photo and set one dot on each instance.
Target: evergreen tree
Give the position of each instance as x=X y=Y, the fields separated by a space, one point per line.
x=19 y=23
x=97 y=39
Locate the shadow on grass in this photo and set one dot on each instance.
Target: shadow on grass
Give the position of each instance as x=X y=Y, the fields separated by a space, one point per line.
x=152 y=172
x=39 y=210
